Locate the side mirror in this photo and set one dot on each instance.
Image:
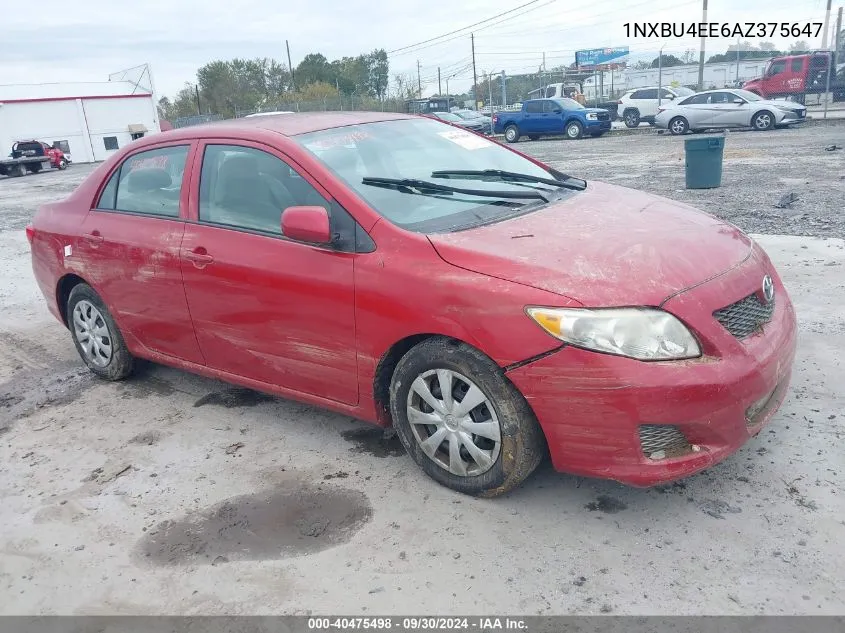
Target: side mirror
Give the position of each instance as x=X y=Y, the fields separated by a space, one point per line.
x=306 y=224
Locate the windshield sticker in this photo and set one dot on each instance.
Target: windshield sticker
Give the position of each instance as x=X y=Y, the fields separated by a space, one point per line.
x=466 y=139
x=337 y=140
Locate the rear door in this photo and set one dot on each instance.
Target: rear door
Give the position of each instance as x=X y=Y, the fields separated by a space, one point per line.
x=697 y=110
x=532 y=114
x=266 y=307
x=130 y=243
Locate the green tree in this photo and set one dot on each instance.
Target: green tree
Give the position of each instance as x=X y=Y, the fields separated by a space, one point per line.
x=667 y=61
x=314 y=67
x=377 y=77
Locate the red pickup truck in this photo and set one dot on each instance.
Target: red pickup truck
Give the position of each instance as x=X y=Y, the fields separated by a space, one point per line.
x=796 y=76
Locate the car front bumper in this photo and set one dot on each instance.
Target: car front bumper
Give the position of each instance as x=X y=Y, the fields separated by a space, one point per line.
x=597 y=126
x=643 y=423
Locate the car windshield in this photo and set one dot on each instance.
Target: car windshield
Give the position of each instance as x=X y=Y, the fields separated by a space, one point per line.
x=569 y=104
x=415 y=149
x=748 y=96
x=448 y=116
x=469 y=114
x=683 y=91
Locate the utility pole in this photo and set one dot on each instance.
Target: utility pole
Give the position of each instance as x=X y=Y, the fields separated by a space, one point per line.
x=660 y=76
x=474 y=74
x=197 y=91
x=439 y=91
x=419 y=81
x=504 y=90
x=826 y=24
x=290 y=67
x=701 y=54
x=830 y=58
x=490 y=86
x=737 y=58
x=838 y=32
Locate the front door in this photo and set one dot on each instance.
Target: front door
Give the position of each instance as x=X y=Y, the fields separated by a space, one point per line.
x=265 y=307
x=131 y=242
x=727 y=112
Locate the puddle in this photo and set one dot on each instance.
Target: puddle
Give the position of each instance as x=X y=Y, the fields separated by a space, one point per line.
x=272 y=525
x=32 y=390
x=375 y=441
x=608 y=505
x=141 y=385
x=233 y=398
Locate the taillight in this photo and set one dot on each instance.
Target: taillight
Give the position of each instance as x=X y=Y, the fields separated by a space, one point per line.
x=30 y=233
x=495 y=118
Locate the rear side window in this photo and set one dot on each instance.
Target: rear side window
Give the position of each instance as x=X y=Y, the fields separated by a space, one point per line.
x=534 y=107
x=148 y=182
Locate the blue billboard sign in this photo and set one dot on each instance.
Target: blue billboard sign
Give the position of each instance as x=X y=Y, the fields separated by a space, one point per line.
x=601 y=56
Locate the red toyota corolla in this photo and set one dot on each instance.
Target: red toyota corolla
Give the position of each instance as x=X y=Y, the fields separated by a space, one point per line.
x=404 y=271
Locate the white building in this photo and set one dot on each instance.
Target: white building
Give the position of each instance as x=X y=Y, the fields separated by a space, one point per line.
x=88 y=120
x=721 y=75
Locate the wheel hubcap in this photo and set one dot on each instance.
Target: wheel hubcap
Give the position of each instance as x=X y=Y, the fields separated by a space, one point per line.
x=678 y=126
x=511 y=135
x=573 y=131
x=763 y=121
x=454 y=423
x=92 y=333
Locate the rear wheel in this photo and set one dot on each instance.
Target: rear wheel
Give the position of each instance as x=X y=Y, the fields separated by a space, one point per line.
x=96 y=336
x=462 y=421
x=511 y=134
x=763 y=121
x=19 y=170
x=632 y=118
x=678 y=125
x=574 y=130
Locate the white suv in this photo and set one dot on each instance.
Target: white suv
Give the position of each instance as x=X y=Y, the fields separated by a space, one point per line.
x=640 y=105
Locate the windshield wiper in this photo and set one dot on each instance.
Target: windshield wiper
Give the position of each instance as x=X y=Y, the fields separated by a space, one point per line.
x=423 y=187
x=498 y=174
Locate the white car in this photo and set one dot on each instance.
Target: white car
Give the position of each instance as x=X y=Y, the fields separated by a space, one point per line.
x=640 y=105
x=728 y=108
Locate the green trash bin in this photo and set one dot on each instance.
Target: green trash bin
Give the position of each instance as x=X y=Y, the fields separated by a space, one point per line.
x=704 y=161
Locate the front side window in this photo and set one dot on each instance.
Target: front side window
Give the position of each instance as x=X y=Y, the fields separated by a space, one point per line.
x=248 y=188
x=417 y=149
x=148 y=182
x=777 y=67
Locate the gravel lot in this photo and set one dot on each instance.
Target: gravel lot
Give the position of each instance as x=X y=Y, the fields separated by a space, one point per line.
x=170 y=493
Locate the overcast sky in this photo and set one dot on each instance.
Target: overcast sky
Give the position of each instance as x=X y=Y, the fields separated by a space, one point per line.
x=85 y=40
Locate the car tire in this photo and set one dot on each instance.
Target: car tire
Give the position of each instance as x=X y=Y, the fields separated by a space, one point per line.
x=533 y=137
x=494 y=466
x=19 y=171
x=763 y=121
x=512 y=134
x=96 y=336
x=63 y=164
x=679 y=125
x=574 y=130
x=631 y=118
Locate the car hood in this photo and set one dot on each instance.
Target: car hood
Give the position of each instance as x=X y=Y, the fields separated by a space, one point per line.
x=605 y=246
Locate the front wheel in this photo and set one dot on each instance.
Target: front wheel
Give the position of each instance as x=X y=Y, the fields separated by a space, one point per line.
x=632 y=118
x=96 y=336
x=574 y=130
x=763 y=121
x=678 y=125
x=462 y=421
x=63 y=164
x=511 y=134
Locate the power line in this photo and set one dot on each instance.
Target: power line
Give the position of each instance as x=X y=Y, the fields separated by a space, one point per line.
x=464 y=28
x=422 y=46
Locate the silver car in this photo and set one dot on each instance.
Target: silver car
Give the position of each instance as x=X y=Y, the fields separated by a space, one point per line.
x=727 y=108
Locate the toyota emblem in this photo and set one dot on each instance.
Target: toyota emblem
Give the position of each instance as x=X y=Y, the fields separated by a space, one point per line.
x=768 y=289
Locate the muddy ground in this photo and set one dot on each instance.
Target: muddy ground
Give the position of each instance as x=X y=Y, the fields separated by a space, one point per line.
x=175 y=494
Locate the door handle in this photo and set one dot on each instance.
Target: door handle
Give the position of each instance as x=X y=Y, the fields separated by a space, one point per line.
x=94 y=237
x=199 y=256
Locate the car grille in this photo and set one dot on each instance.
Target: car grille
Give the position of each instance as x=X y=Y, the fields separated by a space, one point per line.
x=603 y=116
x=660 y=441
x=746 y=316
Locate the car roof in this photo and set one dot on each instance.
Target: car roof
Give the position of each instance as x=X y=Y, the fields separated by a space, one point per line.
x=286 y=124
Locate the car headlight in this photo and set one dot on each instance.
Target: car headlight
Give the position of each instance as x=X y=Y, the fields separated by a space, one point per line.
x=592 y=116
x=640 y=333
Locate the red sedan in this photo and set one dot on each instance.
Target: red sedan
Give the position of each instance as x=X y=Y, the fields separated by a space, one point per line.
x=410 y=273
